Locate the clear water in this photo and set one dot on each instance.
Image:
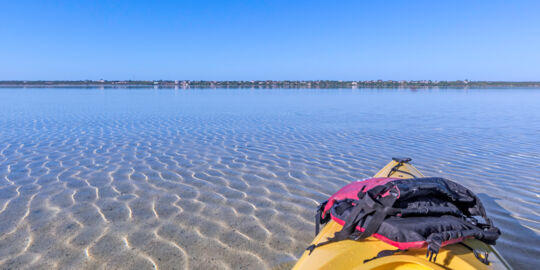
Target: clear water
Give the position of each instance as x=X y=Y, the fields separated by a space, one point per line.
x=206 y=179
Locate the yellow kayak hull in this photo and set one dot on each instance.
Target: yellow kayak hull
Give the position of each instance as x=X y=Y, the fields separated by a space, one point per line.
x=350 y=254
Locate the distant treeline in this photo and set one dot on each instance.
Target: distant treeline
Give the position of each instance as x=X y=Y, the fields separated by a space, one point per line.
x=272 y=84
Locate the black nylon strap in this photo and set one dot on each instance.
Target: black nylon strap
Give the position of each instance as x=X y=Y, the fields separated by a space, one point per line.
x=317 y=222
x=366 y=205
x=373 y=225
x=481 y=257
x=356 y=215
x=435 y=240
x=396 y=169
x=381 y=206
x=431 y=211
x=384 y=253
x=318 y=217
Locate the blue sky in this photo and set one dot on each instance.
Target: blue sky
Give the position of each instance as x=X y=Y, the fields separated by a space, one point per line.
x=250 y=40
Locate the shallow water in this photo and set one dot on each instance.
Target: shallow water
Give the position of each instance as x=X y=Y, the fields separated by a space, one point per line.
x=211 y=179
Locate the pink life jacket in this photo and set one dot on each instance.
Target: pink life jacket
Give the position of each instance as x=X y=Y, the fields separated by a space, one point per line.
x=407 y=213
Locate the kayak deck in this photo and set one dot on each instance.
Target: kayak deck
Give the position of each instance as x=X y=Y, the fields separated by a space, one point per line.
x=349 y=254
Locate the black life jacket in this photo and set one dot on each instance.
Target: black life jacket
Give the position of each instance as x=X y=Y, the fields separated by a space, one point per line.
x=407 y=213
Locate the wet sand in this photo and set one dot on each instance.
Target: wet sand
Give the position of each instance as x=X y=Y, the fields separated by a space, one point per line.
x=175 y=181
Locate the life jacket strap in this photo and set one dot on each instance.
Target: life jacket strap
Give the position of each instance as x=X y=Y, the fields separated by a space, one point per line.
x=318 y=217
x=366 y=205
x=435 y=240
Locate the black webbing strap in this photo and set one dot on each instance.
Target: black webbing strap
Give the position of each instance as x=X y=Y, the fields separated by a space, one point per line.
x=318 y=217
x=431 y=211
x=383 y=208
x=366 y=205
x=480 y=255
x=384 y=253
x=348 y=228
x=396 y=168
x=317 y=222
x=491 y=233
x=435 y=240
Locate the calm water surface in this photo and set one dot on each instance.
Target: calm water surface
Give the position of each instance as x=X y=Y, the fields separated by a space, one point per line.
x=229 y=179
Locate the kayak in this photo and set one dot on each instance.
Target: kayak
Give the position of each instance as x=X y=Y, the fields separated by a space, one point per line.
x=349 y=254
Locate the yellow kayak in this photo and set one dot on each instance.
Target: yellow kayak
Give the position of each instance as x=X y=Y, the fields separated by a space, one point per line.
x=349 y=254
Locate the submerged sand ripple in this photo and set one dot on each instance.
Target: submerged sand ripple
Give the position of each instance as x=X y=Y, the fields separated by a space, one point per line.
x=172 y=188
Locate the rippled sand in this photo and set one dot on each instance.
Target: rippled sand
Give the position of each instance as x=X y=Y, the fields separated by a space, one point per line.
x=209 y=180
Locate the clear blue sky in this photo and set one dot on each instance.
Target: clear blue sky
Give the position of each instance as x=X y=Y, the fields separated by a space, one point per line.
x=250 y=40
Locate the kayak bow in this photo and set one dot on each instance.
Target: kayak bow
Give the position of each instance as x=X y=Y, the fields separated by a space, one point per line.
x=349 y=254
